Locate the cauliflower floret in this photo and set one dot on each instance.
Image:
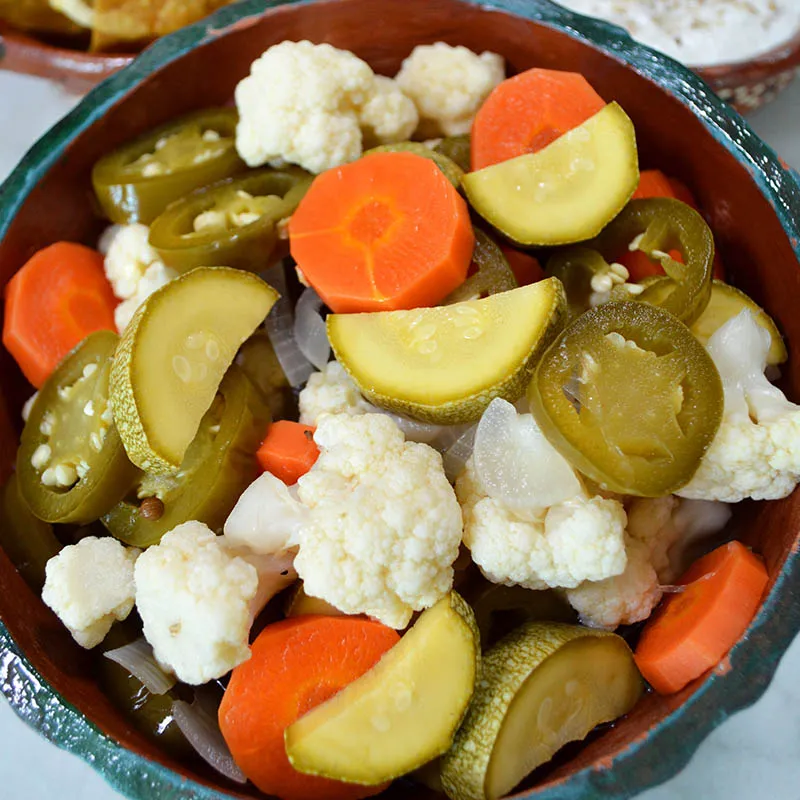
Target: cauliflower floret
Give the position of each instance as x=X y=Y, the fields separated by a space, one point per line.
x=196 y=601
x=388 y=115
x=448 y=85
x=331 y=391
x=623 y=599
x=756 y=452
x=132 y=267
x=89 y=585
x=385 y=525
x=660 y=531
x=573 y=541
x=313 y=114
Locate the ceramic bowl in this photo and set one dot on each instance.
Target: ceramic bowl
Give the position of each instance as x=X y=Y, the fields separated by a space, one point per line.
x=750 y=84
x=752 y=203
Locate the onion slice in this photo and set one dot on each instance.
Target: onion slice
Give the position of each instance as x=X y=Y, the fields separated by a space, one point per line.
x=201 y=730
x=457 y=455
x=310 y=331
x=516 y=464
x=280 y=329
x=137 y=657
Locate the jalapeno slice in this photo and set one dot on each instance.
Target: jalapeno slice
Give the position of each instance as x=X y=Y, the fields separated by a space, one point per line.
x=137 y=181
x=458 y=149
x=26 y=540
x=492 y=275
x=71 y=463
x=150 y=713
x=230 y=223
x=219 y=465
x=576 y=267
x=451 y=170
x=629 y=397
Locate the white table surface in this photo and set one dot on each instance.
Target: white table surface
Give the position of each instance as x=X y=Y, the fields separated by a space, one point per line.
x=753 y=756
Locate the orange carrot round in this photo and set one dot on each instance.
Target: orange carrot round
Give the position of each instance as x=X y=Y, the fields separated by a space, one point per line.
x=683 y=193
x=52 y=304
x=653 y=183
x=288 y=451
x=693 y=630
x=525 y=113
x=295 y=665
x=526 y=268
x=387 y=232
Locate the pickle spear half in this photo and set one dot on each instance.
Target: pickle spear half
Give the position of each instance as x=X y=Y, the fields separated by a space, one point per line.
x=173 y=355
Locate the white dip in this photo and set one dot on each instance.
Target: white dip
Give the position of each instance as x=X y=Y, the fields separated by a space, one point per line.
x=701 y=32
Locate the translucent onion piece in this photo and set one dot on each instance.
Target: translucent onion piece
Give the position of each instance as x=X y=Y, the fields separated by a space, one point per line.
x=310 y=332
x=414 y=430
x=457 y=455
x=517 y=466
x=201 y=729
x=280 y=329
x=137 y=657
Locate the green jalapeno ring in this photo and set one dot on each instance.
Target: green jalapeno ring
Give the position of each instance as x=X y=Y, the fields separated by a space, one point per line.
x=247 y=247
x=575 y=267
x=493 y=273
x=219 y=465
x=70 y=427
x=451 y=170
x=458 y=149
x=127 y=194
x=629 y=397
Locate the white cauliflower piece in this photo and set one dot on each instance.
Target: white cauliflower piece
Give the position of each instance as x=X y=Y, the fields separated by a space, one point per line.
x=573 y=541
x=197 y=602
x=385 y=524
x=623 y=599
x=267 y=518
x=132 y=267
x=756 y=452
x=388 y=115
x=306 y=104
x=331 y=391
x=89 y=585
x=660 y=531
x=448 y=85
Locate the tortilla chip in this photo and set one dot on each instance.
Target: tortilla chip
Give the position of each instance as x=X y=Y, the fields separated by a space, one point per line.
x=125 y=22
x=36 y=16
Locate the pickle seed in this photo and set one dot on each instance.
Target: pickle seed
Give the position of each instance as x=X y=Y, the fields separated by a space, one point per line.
x=212 y=350
x=182 y=368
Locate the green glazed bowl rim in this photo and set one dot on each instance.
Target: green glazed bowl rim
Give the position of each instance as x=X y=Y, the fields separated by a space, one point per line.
x=643 y=763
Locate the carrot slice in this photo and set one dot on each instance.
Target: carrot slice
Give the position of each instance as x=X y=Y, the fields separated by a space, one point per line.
x=693 y=630
x=526 y=268
x=295 y=665
x=525 y=113
x=53 y=303
x=289 y=450
x=387 y=232
x=654 y=183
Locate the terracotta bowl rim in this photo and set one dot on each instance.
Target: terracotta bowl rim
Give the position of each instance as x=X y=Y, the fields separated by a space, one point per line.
x=756 y=655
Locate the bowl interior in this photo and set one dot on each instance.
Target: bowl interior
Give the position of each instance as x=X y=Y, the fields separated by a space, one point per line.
x=755 y=249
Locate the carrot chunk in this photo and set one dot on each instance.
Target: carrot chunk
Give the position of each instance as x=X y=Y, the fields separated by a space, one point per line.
x=693 y=630
x=53 y=303
x=525 y=113
x=295 y=665
x=289 y=450
x=526 y=268
x=387 y=232
x=653 y=183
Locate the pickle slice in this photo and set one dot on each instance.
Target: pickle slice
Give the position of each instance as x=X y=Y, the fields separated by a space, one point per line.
x=173 y=355
x=542 y=686
x=401 y=714
x=726 y=302
x=566 y=192
x=446 y=364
